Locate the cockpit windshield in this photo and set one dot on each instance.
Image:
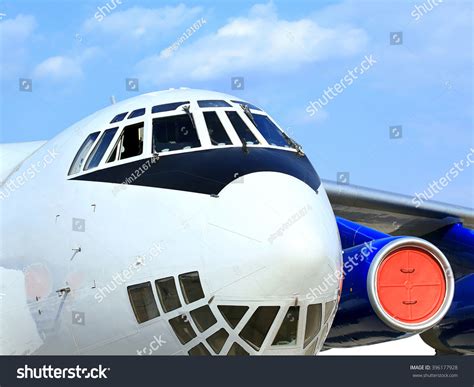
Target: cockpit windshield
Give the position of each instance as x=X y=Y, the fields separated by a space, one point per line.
x=173 y=133
x=179 y=126
x=243 y=131
x=270 y=131
x=217 y=132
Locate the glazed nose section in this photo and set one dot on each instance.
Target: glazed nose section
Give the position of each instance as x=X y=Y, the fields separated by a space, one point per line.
x=276 y=236
x=271 y=241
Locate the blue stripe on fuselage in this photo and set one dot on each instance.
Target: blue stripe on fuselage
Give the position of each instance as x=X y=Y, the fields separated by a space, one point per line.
x=207 y=171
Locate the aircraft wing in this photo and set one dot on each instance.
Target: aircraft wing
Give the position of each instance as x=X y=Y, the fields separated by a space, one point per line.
x=371 y=219
x=392 y=213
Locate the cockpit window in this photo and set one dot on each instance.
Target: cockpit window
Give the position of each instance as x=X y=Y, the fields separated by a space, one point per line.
x=100 y=149
x=212 y=103
x=168 y=107
x=249 y=105
x=174 y=132
x=137 y=113
x=129 y=144
x=119 y=117
x=216 y=130
x=270 y=131
x=288 y=331
x=243 y=131
x=81 y=154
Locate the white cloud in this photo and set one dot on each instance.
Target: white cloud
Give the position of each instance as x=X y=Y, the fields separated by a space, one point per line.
x=58 y=68
x=61 y=68
x=260 y=41
x=14 y=38
x=137 y=23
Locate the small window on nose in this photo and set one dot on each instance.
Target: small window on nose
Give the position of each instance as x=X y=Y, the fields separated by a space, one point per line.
x=288 y=331
x=313 y=323
x=259 y=325
x=217 y=340
x=143 y=302
x=199 y=350
x=167 y=294
x=237 y=350
x=191 y=287
x=233 y=314
x=203 y=318
x=328 y=310
x=182 y=328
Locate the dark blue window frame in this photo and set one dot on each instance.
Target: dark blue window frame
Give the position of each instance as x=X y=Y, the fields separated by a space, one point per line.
x=213 y=103
x=167 y=107
x=119 y=117
x=136 y=113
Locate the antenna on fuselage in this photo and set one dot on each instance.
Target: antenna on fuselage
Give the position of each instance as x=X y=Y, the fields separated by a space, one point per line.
x=112 y=100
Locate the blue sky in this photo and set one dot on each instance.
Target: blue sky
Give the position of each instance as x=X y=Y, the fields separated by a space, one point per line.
x=289 y=53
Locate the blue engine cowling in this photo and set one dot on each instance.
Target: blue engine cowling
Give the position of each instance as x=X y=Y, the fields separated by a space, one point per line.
x=455 y=333
x=361 y=318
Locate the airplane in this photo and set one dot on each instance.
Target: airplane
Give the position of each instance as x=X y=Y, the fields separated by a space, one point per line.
x=187 y=222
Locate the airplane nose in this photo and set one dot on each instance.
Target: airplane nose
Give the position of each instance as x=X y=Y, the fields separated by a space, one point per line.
x=271 y=241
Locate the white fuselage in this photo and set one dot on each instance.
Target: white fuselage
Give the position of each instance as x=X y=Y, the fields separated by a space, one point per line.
x=71 y=248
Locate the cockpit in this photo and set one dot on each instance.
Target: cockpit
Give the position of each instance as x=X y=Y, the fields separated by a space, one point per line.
x=176 y=128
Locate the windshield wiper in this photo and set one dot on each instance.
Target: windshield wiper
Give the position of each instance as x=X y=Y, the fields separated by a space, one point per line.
x=248 y=113
x=186 y=110
x=293 y=144
x=244 y=145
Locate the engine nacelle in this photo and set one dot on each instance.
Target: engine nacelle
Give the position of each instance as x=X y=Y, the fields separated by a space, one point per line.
x=410 y=284
x=455 y=333
x=393 y=287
